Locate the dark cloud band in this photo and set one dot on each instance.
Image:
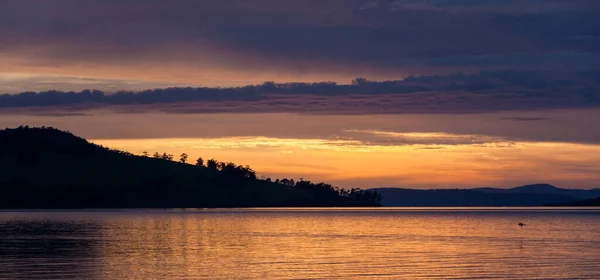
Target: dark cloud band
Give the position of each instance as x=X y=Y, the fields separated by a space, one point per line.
x=479 y=92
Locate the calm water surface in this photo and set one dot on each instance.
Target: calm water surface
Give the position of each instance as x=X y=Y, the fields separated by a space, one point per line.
x=385 y=243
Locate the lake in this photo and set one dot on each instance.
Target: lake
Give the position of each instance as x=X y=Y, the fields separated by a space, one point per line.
x=315 y=243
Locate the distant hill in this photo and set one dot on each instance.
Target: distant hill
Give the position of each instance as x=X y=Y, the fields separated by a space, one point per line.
x=584 y=202
x=545 y=189
x=49 y=168
x=529 y=195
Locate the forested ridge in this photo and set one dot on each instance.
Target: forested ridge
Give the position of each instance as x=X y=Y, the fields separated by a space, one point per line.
x=43 y=167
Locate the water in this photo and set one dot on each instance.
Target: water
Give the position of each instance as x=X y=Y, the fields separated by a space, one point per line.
x=383 y=243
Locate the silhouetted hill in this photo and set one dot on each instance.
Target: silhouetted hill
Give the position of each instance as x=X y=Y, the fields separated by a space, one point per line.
x=545 y=189
x=529 y=195
x=49 y=168
x=584 y=202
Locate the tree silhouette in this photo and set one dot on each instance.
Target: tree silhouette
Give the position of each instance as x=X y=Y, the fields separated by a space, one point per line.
x=183 y=158
x=199 y=162
x=145 y=154
x=359 y=81
x=166 y=156
x=157 y=155
x=212 y=164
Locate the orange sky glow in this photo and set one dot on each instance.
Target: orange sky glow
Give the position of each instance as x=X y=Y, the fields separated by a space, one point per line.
x=352 y=164
x=411 y=150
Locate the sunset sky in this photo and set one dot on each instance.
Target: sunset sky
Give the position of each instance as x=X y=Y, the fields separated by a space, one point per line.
x=479 y=92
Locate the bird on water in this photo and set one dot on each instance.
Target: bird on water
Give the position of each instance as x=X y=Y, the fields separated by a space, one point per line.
x=522 y=224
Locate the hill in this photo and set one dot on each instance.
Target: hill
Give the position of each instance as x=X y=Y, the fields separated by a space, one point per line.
x=529 y=195
x=584 y=202
x=49 y=168
x=545 y=189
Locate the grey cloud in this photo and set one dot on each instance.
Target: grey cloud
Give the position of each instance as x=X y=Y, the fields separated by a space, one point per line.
x=393 y=138
x=456 y=93
x=571 y=125
x=502 y=6
x=526 y=119
x=369 y=5
x=428 y=37
x=36 y=83
x=497 y=43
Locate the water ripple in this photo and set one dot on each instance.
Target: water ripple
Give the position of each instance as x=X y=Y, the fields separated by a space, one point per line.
x=293 y=244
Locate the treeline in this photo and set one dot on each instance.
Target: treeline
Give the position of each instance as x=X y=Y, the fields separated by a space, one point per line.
x=234 y=172
x=584 y=84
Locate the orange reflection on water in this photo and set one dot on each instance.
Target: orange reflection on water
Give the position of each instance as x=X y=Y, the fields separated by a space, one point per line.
x=353 y=244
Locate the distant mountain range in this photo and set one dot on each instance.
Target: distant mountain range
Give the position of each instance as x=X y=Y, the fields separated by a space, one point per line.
x=529 y=195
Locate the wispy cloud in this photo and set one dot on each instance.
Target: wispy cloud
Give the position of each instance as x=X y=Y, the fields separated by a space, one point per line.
x=526 y=119
x=266 y=143
x=423 y=138
x=11 y=82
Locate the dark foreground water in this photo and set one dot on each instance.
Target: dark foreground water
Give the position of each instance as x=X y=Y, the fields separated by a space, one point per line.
x=386 y=243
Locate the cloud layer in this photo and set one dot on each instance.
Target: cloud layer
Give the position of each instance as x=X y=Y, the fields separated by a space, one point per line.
x=233 y=42
x=456 y=93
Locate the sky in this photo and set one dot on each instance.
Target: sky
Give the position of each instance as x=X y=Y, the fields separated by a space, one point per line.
x=359 y=93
